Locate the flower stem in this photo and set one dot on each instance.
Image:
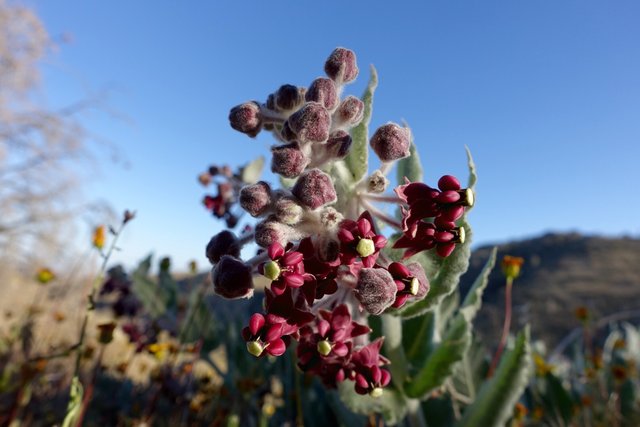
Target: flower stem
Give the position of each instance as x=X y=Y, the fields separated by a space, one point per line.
x=377 y=213
x=505 y=329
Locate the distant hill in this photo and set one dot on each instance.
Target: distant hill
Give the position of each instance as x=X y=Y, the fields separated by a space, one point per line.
x=561 y=272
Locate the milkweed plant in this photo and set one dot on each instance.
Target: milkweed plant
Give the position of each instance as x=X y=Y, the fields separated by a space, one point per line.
x=361 y=273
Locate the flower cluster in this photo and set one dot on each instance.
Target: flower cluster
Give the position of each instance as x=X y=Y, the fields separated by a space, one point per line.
x=322 y=251
x=429 y=221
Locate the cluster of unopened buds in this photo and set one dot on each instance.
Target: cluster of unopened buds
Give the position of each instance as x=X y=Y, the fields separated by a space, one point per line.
x=322 y=251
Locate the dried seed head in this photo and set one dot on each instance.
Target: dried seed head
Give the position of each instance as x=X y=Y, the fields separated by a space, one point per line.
x=223 y=243
x=376 y=290
x=246 y=118
x=350 y=112
x=288 y=211
x=311 y=123
x=314 y=189
x=324 y=91
x=232 y=278
x=288 y=97
x=338 y=144
x=288 y=160
x=341 y=66
x=391 y=142
x=256 y=198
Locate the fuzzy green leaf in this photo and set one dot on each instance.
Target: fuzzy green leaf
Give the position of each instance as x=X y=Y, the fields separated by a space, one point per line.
x=392 y=405
x=410 y=167
x=393 y=349
x=357 y=159
x=251 y=173
x=473 y=177
x=153 y=297
x=441 y=361
x=497 y=397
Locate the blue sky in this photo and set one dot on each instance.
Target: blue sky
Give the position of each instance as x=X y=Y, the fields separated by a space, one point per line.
x=546 y=94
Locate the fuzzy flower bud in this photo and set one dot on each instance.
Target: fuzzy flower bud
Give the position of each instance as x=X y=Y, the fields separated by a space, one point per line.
x=338 y=144
x=324 y=91
x=288 y=211
x=377 y=182
x=330 y=218
x=286 y=133
x=232 y=278
x=255 y=198
x=391 y=142
x=341 y=66
x=288 y=97
x=272 y=231
x=314 y=189
x=246 y=118
x=350 y=112
x=288 y=160
x=223 y=243
x=311 y=123
x=376 y=290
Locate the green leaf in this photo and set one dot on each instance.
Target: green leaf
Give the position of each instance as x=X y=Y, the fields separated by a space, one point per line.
x=75 y=403
x=441 y=361
x=250 y=174
x=473 y=301
x=557 y=401
x=446 y=280
x=393 y=349
x=153 y=298
x=497 y=396
x=357 y=159
x=410 y=167
x=473 y=177
x=392 y=405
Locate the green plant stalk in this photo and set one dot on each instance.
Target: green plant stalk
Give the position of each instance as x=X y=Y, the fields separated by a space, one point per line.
x=91 y=298
x=505 y=329
x=86 y=400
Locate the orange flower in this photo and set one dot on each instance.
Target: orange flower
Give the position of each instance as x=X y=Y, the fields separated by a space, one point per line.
x=511 y=266
x=59 y=316
x=99 y=236
x=520 y=411
x=582 y=313
x=44 y=275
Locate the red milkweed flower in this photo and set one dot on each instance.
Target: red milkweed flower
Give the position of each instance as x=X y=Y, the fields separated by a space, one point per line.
x=359 y=240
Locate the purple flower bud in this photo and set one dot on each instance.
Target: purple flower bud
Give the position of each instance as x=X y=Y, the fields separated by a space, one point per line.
x=338 y=144
x=376 y=290
x=256 y=198
x=246 y=118
x=232 y=278
x=288 y=211
x=350 y=111
x=288 y=97
x=341 y=66
x=286 y=133
x=311 y=123
x=391 y=142
x=223 y=243
x=288 y=160
x=272 y=231
x=324 y=91
x=314 y=189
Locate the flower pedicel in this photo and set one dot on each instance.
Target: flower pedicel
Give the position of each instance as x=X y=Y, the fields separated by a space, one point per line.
x=322 y=251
